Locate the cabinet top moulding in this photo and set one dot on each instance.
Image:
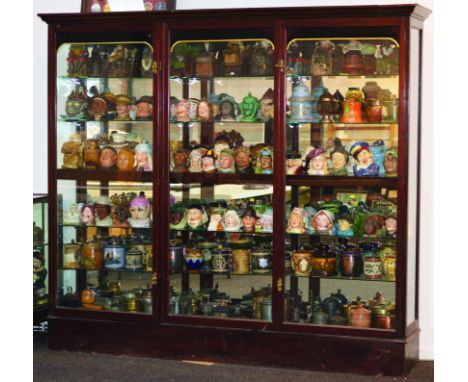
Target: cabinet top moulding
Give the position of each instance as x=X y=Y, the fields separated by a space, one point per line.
x=415 y=10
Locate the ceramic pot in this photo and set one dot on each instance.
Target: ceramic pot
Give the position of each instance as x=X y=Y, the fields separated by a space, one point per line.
x=361 y=317
x=38 y=235
x=389 y=267
x=350 y=262
x=133 y=259
x=330 y=305
x=373 y=267
x=266 y=311
x=261 y=261
x=319 y=318
x=92 y=257
x=114 y=254
x=327 y=107
x=353 y=63
x=371 y=90
x=241 y=261
x=72 y=255
x=88 y=296
x=220 y=261
x=373 y=111
x=383 y=317
x=352 y=111
x=205 y=66
x=302 y=262
x=369 y=63
x=324 y=261
x=193 y=259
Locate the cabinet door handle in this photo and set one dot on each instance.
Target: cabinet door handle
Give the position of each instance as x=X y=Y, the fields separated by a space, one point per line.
x=280 y=65
x=154 y=279
x=155 y=67
x=279 y=285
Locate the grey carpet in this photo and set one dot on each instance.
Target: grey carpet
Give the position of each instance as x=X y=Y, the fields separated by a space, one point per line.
x=66 y=366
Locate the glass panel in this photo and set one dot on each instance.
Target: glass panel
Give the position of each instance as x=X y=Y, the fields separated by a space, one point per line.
x=105 y=246
x=341 y=168
x=413 y=176
x=343 y=100
x=104 y=102
x=221 y=215
x=341 y=250
x=40 y=252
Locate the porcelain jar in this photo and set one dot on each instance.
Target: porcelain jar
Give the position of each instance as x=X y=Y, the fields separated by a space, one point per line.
x=361 y=317
x=301 y=262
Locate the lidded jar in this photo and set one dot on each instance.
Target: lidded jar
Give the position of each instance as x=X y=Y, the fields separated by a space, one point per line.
x=327 y=106
x=92 y=257
x=383 y=316
x=72 y=255
x=114 y=253
x=301 y=261
x=361 y=317
x=373 y=110
x=324 y=260
x=350 y=261
x=353 y=62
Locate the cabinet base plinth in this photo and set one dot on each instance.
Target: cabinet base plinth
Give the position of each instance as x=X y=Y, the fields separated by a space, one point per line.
x=330 y=353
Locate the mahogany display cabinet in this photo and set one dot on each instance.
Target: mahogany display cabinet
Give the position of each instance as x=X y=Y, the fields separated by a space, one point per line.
x=237 y=185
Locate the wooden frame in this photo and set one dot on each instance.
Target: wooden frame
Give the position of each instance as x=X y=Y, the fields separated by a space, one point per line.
x=364 y=351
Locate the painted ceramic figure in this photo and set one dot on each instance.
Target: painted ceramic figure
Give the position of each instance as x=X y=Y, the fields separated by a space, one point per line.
x=232 y=58
x=264 y=164
x=209 y=162
x=98 y=108
x=365 y=165
x=296 y=221
x=144 y=156
x=103 y=206
x=205 y=111
x=390 y=162
x=72 y=215
x=391 y=226
x=227 y=110
x=243 y=160
x=261 y=60
x=87 y=214
x=316 y=162
x=373 y=225
x=178 y=216
x=91 y=154
x=226 y=162
x=344 y=226
x=222 y=141
x=266 y=220
x=339 y=160
x=249 y=219
x=249 y=108
x=193 y=109
x=181 y=160
x=108 y=158
x=120 y=217
x=173 y=111
x=77 y=61
x=267 y=106
x=294 y=164
x=216 y=219
x=322 y=222
x=146 y=64
x=71 y=151
x=140 y=212
x=116 y=62
x=123 y=105
x=75 y=105
x=377 y=149
x=231 y=221
x=144 y=109
x=182 y=113
x=196 y=217
x=195 y=159
x=125 y=159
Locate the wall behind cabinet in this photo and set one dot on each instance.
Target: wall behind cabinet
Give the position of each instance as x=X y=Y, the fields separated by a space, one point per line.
x=426 y=264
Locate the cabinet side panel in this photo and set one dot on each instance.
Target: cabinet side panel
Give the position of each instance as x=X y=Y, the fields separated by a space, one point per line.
x=413 y=175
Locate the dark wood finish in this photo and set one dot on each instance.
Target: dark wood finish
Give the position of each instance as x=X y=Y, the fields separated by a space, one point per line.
x=350 y=354
x=367 y=351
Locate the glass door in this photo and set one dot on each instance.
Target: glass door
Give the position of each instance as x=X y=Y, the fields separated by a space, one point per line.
x=105 y=190
x=221 y=177
x=341 y=130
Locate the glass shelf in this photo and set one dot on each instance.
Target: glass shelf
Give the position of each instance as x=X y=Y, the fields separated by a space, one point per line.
x=345 y=278
x=104 y=78
x=176 y=78
x=203 y=272
x=72 y=120
x=218 y=122
x=331 y=76
x=205 y=231
x=106 y=269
